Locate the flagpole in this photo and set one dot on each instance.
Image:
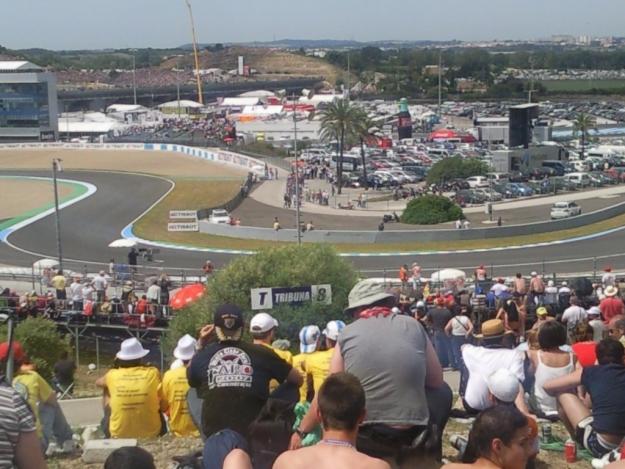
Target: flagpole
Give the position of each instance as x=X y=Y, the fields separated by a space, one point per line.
x=59 y=249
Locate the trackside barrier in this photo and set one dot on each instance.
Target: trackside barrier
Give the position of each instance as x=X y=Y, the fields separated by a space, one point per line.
x=209 y=154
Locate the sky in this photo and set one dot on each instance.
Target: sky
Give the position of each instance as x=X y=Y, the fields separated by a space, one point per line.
x=99 y=24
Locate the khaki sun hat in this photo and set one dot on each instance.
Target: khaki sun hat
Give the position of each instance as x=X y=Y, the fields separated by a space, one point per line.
x=366 y=293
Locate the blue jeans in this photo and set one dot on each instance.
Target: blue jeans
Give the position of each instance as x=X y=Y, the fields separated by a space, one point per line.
x=54 y=425
x=457 y=341
x=443 y=349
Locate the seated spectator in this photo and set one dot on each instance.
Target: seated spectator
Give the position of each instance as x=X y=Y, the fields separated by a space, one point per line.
x=64 y=371
x=20 y=446
x=617 y=331
x=548 y=363
x=341 y=403
x=499 y=287
x=599 y=329
x=232 y=374
x=583 y=345
x=542 y=317
x=500 y=438
x=175 y=388
x=129 y=457
x=134 y=406
x=49 y=418
x=141 y=306
x=482 y=361
x=596 y=420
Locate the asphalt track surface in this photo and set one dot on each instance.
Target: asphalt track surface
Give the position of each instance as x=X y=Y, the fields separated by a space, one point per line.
x=91 y=224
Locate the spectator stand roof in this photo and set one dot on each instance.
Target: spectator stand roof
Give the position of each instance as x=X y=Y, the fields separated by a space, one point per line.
x=19 y=66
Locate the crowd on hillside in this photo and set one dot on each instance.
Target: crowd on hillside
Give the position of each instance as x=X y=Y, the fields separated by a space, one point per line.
x=218 y=128
x=371 y=391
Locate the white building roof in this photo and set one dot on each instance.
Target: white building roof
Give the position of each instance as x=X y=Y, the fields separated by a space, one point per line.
x=261 y=110
x=184 y=103
x=18 y=66
x=257 y=94
x=240 y=101
x=126 y=108
x=87 y=127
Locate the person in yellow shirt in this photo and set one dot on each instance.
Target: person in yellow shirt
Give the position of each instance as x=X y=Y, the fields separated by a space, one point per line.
x=263 y=328
x=175 y=388
x=50 y=421
x=59 y=283
x=308 y=342
x=318 y=363
x=135 y=401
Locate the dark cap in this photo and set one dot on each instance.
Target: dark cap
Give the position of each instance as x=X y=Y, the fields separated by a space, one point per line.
x=228 y=317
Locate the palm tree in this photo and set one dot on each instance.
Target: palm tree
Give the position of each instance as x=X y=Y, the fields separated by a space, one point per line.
x=364 y=126
x=339 y=121
x=582 y=124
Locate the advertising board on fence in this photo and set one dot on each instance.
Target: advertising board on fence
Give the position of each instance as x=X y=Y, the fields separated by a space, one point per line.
x=191 y=226
x=180 y=214
x=268 y=298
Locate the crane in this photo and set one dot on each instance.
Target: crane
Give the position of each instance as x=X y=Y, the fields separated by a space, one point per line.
x=200 y=98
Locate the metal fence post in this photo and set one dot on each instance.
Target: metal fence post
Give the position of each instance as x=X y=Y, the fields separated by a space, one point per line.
x=97 y=352
x=594 y=268
x=77 y=346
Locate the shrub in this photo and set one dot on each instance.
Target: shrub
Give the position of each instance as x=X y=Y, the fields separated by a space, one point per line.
x=430 y=210
x=42 y=343
x=288 y=266
x=455 y=167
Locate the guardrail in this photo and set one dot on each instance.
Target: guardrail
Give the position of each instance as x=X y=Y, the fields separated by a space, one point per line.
x=403 y=236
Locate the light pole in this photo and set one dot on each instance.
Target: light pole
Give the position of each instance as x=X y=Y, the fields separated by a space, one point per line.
x=56 y=166
x=297 y=188
x=134 y=77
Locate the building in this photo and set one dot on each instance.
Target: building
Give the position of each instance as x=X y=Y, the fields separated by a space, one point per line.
x=494 y=130
x=28 y=103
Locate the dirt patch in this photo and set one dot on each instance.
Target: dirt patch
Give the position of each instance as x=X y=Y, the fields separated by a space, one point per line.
x=153 y=162
x=26 y=195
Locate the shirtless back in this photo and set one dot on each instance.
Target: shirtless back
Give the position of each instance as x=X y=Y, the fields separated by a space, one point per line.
x=325 y=456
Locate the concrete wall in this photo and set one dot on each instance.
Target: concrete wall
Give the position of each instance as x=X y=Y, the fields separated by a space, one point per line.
x=362 y=237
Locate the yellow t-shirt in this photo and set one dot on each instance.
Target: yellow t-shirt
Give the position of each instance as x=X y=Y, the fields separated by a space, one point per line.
x=58 y=282
x=299 y=363
x=175 y=387
x=318 y=365
x=286 y=356
x=135 y=402
x=34 y=389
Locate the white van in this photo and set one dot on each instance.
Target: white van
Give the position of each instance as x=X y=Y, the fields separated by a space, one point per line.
x=477 y=181
x=580 y=179
x=498 y=177
x=440 y=152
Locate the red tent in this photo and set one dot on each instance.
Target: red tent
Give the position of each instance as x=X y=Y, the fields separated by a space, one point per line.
x=443 y=134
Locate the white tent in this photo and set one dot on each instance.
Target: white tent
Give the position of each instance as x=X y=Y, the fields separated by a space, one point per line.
x=239 y=102
x=184 y=104
x=260 y=111
x=257 y=94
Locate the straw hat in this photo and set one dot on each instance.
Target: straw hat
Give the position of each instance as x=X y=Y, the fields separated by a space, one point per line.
x=610 y=291
x=491 y=329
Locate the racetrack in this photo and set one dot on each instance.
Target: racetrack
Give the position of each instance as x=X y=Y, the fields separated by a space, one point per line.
x=90 y=225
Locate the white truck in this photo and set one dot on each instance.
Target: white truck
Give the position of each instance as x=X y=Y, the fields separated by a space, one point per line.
x=220 y=216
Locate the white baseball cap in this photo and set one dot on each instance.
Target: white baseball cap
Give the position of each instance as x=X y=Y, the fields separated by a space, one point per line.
x=185 y=348
x=503 y=385
x=333 y=329
x=594 y=311
x=308 y=337
x=131 y=349
x=262 y=322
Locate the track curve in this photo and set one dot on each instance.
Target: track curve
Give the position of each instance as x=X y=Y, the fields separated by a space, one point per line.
x=91 y=224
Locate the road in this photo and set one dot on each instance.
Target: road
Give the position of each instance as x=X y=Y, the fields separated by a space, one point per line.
x=90 y=225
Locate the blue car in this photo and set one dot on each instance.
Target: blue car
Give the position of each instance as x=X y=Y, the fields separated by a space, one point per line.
x=522 y=189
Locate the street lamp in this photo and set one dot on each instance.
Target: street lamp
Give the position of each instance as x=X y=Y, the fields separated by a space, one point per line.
x=297 y=188
x=56 y=167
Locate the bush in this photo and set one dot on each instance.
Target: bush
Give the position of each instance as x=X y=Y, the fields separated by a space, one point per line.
x=42 y=343
x=288 y=266
x=430 y=210
x=455 y=167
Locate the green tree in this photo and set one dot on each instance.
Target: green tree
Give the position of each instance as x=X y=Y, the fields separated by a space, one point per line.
x=581 y=126
x=288 y=266
x=339 y=122
x=363 y=130
x=455 y=167
x=431 y=210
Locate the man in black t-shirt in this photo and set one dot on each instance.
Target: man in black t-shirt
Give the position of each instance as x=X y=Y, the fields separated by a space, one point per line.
x=597 y=423
x=438 y=317
x=232 y=377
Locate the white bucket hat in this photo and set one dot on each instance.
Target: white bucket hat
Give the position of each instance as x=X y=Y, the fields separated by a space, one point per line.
x=185 y=349
x=131 y=349
x=503 y=385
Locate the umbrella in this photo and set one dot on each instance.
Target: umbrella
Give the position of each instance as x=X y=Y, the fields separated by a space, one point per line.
x=123 y=243
x=186 y=295
x=46 y=263
x=448 y=274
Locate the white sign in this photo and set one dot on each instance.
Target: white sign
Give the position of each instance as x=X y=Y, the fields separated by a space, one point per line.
x=268 y=298
x=178 y=214
x=191 y=226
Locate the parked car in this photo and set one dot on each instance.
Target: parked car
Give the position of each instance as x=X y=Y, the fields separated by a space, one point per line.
x=489 y=194
x=469 y=196
x=507 y=190
x=579 y=179
x=517 y=176
x=565 y=210
x=596 y=179
x=523 y=189
x=544 y=186
x=562 y=184
x=219 y=216
x=477 y=181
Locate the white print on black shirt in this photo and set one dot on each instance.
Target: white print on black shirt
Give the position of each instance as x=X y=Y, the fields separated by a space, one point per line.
x=230 y=367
